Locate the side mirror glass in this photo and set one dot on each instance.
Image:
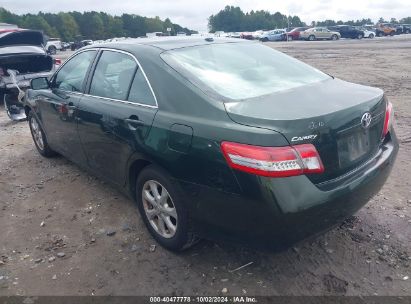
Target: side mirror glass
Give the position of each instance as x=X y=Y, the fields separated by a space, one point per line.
x=40 y=83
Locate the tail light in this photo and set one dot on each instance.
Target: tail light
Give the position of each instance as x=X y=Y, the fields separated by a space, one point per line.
x=57 y=61
x=273 y=161
x=388 y=120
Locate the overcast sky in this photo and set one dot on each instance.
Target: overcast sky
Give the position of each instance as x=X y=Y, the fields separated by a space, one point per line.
x=194 y=13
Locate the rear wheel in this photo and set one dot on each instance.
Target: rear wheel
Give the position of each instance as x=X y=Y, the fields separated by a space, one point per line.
x=311 y=37
x=407 y=31
x=265 y=39
x=39 y=138
x=360 y=36
x=371 y=36
x=392 y=33
x=162 y=207
x=380 y=34
x=52 y=50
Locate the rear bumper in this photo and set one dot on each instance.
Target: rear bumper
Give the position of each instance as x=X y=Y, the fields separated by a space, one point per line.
x=278 y=212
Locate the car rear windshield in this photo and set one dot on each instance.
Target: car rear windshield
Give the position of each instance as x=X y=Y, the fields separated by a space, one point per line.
x=241 y=70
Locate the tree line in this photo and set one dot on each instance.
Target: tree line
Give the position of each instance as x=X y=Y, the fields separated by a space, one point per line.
x=91 y=25
x=233 y=19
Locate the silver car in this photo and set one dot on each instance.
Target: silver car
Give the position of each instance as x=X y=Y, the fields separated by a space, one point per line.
x=317 y=33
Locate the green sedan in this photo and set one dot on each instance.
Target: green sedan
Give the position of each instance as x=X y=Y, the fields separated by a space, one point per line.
x=215 y=138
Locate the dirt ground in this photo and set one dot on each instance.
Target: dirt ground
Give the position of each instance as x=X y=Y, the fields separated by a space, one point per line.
x=55 y=218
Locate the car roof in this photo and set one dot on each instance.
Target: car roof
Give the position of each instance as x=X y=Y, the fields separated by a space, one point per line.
x=168 y=43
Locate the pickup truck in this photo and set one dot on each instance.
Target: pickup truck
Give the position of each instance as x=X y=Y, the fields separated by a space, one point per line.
x=385 y=29
x=53 y=45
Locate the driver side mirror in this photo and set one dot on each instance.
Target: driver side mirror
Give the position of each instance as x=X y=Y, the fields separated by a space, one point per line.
x=40 y=83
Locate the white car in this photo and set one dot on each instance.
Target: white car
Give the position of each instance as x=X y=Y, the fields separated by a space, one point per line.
x=368 y=33
x=258 y=34
x=220 y=34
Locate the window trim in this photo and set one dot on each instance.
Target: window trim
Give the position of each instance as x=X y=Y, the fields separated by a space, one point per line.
x=139 y=66
x=53 y=77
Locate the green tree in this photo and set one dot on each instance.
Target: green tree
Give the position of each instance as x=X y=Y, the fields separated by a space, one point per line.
x=406 y=20
x=67 y=27
x=37 y=22
x=154 y=24
x=8 y=17
x=230 y=19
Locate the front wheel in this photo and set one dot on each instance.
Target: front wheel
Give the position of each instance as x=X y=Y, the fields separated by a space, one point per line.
x=311 y=38
x=392 y=33
x=360 y=36
x=380 y=34
x=162 y=207
x=371 y=36
x=39 y=138
x=265 y=39
x=334 y=37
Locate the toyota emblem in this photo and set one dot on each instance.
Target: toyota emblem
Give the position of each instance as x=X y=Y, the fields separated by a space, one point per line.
x=366 y=120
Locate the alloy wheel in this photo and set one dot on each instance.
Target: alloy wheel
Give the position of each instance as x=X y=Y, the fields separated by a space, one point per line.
x=37 y=133
x=159 y=209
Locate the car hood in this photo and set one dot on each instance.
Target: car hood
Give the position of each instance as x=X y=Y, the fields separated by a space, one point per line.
x=22 y=37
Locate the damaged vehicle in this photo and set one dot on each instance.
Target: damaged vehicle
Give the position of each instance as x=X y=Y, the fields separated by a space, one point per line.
x=217 y=139
x=22 y=58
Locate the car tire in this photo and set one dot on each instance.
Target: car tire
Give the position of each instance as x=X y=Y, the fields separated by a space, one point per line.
x=334 y=37
x=52 y=50
x=168 y=221
x=39 y=138
x=380 y=34
x=371 y=36
x=311 y=38
x=407 y=31
x=265 y=39
x=392 y=33
x=360 y=36
x=290 y=38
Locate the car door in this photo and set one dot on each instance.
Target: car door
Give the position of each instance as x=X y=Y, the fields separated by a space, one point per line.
x=58 y=105
x=329 y=33
x=116 y=114
x=270 y=36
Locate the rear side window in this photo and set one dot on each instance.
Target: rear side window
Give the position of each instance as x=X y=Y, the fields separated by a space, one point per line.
x=113 y=75
x=71 y=76
x=140 y=91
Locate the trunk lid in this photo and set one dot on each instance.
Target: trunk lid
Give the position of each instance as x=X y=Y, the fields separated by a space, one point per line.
x=22 y=37
x=327 y=114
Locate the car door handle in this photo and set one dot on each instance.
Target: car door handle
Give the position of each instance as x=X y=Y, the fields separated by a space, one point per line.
x=134 y=123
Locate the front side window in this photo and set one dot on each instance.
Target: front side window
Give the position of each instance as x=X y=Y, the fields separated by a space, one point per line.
x=72 y=75
x=113 y=75
x=241 y=70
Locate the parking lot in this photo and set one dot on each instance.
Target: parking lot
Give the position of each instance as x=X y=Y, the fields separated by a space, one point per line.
x=64 y=232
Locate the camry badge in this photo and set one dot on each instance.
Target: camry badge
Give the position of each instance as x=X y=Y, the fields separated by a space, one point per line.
x=306 y=137
x=366 y=120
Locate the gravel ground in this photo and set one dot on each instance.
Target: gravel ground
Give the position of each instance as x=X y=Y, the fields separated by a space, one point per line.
x=64 y=232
